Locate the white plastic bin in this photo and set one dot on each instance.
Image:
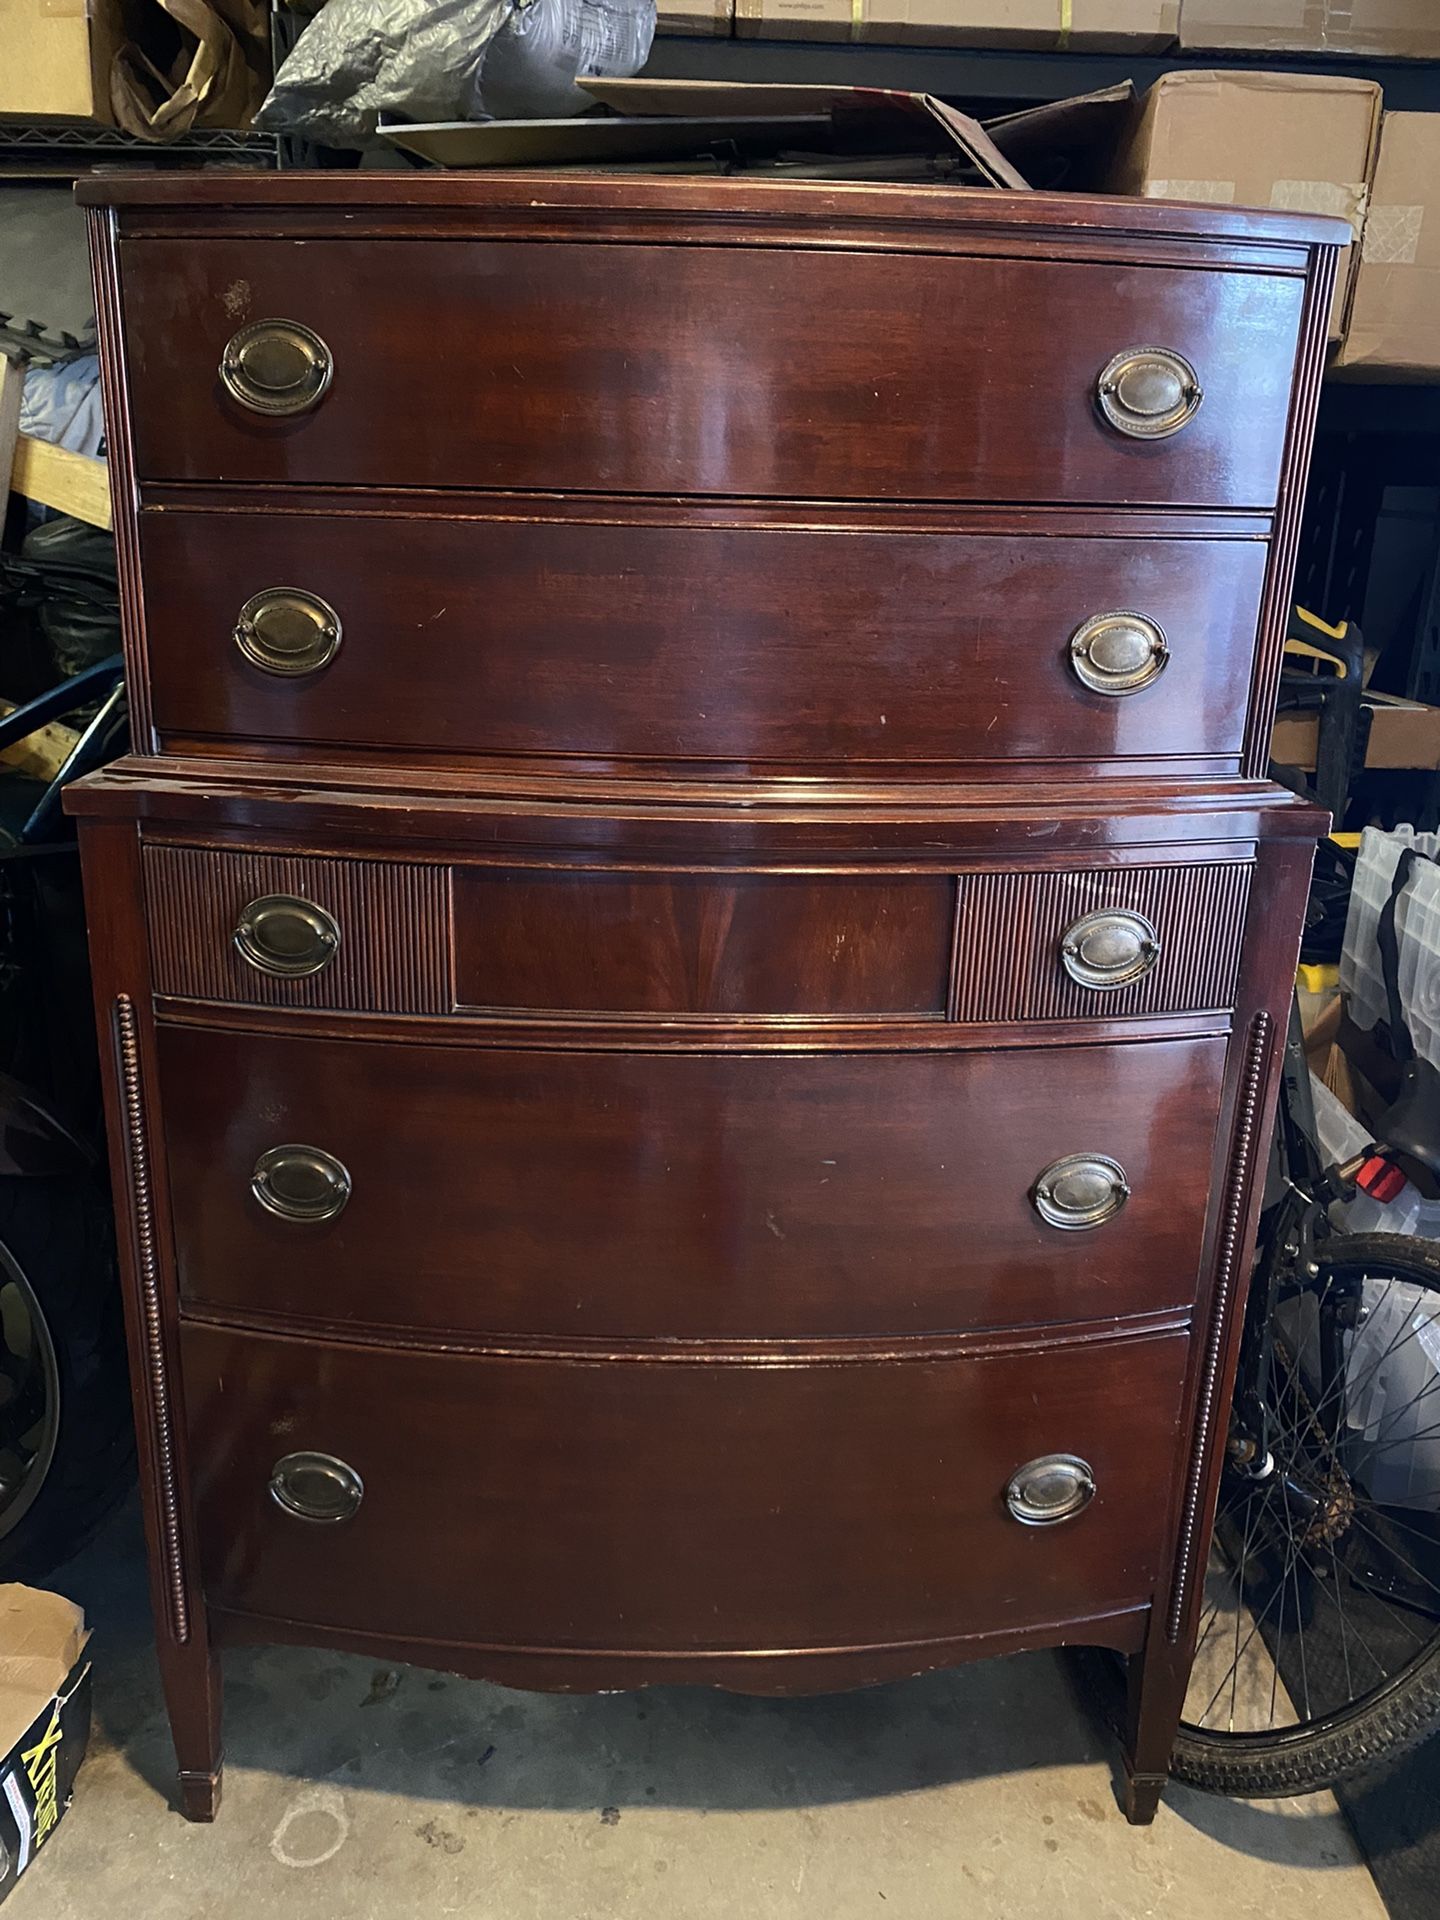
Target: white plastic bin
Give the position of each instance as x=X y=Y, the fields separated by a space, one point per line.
x=1417 y=925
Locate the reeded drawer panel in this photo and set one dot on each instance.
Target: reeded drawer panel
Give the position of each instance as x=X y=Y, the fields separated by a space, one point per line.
x=763 y=643
x=598 y=942
x=701 y=370
x=682 y=1195
x=533 y=1503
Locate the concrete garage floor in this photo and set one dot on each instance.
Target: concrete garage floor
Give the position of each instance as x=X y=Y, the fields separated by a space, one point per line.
x=357 y=1792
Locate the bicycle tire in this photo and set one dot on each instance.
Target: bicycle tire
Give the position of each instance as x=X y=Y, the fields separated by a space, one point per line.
x=1396 y=1717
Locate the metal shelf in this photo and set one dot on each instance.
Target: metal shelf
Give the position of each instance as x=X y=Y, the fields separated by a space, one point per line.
x=969 y=73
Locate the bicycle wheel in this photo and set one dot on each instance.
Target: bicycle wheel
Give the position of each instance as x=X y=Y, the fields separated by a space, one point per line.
x=1318 y=1650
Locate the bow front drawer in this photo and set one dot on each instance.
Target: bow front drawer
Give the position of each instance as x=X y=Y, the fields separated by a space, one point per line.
x=601 y=944
x=701 y=370
x=740 y=637
x=686 y=1195
x=473 y=1499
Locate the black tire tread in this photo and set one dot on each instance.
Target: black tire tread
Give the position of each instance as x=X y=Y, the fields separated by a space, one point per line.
x=1402 y=1717
x=59 y=1232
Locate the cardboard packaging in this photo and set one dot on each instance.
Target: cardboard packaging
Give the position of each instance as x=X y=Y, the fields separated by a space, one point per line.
x=1304 y=141
x=1120 y=26
x=44 y=1720
x=714 y=19
x=55 y=58
x=155 y=69
x=1361 y=29
x=1394 y=325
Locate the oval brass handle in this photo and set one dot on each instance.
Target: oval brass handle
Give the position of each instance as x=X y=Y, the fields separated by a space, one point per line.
x=1082 y=1190
x=284 y=935
x=316 y=1486
x=1109 y=948
x=276 y=367
x=1149 y=393
x=1118 y=653
x=300 y=1183
x=288 y=631
x=1053 y=1488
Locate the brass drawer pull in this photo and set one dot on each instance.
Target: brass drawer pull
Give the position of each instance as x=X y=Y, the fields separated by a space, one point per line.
x=1149 y=393
x=300 y=1183
x=283 y=935
x=1109 y=949
x=276 y=367
x=288 y=631
x=1082 y=1190
x=316 y=1486
x=1118 y=653
x=1053 y=1488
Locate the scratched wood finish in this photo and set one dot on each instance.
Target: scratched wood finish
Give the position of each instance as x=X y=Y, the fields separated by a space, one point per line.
x=762 y=643
x=701 y=371
x=686 y=1196
x=625 y=1504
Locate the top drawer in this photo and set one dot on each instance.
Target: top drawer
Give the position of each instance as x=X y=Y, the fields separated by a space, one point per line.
x=752 y=372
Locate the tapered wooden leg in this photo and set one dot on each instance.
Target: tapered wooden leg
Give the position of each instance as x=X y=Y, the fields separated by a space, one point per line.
x=1156 y=1683
x=192 y=1682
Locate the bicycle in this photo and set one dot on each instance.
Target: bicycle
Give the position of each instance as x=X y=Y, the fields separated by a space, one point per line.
x=1318 y=1648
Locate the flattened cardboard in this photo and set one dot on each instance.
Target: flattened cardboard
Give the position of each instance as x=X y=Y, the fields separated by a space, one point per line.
x=1361 y=29
x=1292 y=140
x=1394 y=328
x=583 y=140
x=1117 y=26
x=733 y=100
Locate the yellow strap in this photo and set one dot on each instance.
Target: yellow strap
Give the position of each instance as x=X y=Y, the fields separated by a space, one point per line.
x=1067 y=21
x=1303 y=650
x=857 y=18
x=1314 y=620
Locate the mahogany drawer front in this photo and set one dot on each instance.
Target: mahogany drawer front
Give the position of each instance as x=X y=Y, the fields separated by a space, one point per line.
x=682 y=1195
x=699 y=370
x=596 y=943
x=758 y=944
x=728 y=644
x=670 y=1505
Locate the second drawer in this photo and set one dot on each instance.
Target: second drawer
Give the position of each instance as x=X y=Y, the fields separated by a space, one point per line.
x=686 y=1196
x=762 y=644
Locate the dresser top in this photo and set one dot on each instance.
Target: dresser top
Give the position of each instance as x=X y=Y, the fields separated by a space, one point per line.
x=355 y=195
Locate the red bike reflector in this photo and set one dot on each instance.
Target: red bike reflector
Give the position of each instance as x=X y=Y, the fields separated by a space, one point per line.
x=1380 y=1179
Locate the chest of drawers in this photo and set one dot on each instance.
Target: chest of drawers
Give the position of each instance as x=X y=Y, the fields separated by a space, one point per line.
x=693 y=948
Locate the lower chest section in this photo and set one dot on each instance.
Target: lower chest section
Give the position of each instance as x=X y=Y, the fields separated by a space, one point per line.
x=622 y=1259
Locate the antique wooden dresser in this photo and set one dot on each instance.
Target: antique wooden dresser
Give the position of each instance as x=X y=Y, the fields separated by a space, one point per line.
x=693 y=948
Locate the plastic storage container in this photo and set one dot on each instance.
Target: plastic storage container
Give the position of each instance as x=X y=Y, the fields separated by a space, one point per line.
x=1417 y=925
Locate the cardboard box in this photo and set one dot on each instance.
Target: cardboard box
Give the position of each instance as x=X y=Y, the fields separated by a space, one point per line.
x=711 y=18
x=44 y=1720
x=1361 y=29
x=1121 y=26
x=55 y=58
x=1299 y=140
x=1394 y=325
x=1403 y=733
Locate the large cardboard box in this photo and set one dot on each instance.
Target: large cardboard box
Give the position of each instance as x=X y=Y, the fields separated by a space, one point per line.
x=1299 y=140
x=55 y=58
x=1394 y=326
x=712 y=18
x=1124 y=26
x=1361 y=29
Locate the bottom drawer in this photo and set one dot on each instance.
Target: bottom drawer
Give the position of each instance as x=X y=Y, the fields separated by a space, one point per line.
x=676 y=1505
